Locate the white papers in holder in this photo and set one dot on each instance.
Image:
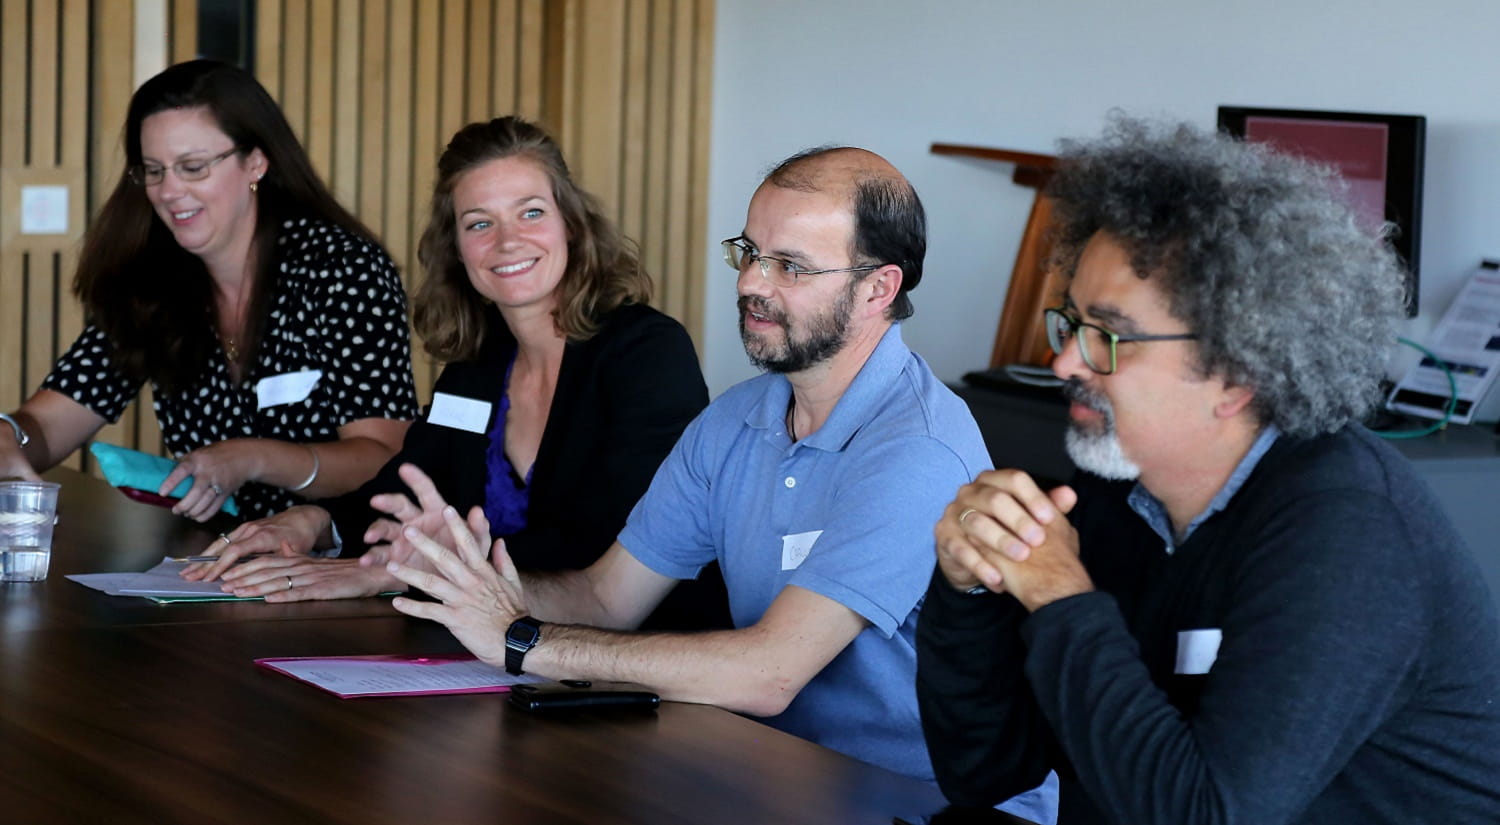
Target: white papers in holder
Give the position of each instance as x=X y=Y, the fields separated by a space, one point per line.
x=1468 y=340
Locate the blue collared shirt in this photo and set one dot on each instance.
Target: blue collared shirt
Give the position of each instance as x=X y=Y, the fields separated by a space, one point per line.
x=1151 y=509
x=847 y=513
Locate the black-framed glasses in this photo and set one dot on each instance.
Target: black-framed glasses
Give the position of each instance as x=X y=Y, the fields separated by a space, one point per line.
x=738 y=253
x=1096 y=344
x=189 y=169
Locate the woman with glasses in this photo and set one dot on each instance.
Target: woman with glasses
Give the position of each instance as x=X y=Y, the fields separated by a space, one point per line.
x=268 y=321
x=563 y=392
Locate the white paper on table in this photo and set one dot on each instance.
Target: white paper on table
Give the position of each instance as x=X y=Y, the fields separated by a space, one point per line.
x=357 y=676
x=162 y=580
x=1468 y=340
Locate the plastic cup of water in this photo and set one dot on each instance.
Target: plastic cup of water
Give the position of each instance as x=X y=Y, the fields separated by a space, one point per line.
x=28 y=509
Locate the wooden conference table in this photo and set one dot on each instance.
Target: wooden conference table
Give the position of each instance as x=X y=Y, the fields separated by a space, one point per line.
x=120 y=710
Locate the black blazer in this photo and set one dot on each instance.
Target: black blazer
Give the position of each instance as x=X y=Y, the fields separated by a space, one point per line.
x=622 y=399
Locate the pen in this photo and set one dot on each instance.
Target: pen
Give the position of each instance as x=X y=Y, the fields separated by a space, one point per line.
x=195 y=559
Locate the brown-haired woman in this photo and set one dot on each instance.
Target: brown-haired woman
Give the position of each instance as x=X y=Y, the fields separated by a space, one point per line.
x=269 y=322
x=564 y=391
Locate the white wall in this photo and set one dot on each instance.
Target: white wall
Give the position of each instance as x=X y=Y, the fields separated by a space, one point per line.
x=895 y=76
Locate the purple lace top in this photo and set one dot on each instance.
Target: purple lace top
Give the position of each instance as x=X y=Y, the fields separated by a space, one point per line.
x=506 y=494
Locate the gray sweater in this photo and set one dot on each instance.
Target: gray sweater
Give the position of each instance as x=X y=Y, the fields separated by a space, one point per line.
x=1358 y=678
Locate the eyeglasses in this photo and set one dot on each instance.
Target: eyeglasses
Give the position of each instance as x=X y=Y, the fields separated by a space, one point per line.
x=1095 y=342
x=150 y=174
x=738 y=253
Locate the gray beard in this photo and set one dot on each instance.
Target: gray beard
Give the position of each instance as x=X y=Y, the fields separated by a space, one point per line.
x=1096 y=449
x=1099 y=453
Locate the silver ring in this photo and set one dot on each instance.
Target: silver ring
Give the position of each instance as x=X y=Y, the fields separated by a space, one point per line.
x=965 y=514
x=289 y=584
x=227 y=540
x=218 y=491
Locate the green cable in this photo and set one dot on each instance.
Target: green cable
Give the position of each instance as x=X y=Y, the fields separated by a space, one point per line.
x=1452 y=396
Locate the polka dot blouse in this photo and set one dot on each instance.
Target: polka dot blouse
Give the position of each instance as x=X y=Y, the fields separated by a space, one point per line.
x=338 y=307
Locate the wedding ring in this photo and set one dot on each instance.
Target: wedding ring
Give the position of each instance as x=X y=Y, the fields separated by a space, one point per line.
x=289 y=584
x=218 y=491
x=965 y=514
x=227 y=540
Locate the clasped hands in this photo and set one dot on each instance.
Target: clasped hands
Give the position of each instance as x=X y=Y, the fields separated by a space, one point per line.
x=1004 y=532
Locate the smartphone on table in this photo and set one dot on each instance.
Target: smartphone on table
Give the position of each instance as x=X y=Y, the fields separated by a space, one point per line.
x=581 y=694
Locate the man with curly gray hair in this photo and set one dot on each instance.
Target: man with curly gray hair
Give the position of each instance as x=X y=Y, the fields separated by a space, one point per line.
x=1246 y=607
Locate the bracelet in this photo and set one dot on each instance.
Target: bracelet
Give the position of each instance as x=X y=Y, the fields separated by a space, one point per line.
x=312 y=476
x=22 y=439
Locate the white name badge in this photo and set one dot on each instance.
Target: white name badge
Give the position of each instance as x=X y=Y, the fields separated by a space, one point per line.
x=795 y=547
x=1197 y=650
x=285 y=389
x=468 y=414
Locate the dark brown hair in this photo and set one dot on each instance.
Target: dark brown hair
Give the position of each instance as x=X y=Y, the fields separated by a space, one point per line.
x=151 y=297
x=604 y=270
x=890 y=225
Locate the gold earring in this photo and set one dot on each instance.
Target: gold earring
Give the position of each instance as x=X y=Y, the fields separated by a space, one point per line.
x=254 y=185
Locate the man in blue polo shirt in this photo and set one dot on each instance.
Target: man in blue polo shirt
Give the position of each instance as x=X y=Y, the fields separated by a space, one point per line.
x=814 y=487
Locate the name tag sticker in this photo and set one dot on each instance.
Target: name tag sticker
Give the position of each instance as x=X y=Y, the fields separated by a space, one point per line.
x=285 y=389
x=467 y=414
x=1197 y=650
x=795 y=547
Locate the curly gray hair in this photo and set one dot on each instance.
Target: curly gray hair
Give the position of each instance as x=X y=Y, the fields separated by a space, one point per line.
x=1254 y=250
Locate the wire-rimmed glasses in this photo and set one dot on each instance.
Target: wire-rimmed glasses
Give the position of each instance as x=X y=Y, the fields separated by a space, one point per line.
x=738 y=253
x=188 y=169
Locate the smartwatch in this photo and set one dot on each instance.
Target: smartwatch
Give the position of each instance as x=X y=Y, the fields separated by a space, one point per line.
x=522 y=635
x=21 y=437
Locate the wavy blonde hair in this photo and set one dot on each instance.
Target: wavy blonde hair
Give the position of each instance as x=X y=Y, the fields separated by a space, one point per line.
x=604 y=270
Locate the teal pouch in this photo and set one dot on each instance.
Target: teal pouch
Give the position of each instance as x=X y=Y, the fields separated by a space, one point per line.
x=124 y=467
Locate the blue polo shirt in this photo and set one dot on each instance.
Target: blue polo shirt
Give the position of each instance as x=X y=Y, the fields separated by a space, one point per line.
x=847 y=513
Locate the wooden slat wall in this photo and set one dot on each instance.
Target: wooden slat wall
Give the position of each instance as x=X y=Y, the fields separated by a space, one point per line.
x=630 y=103
x=373 y=88
x=13 y=53
x=109 y=92
x=44 y=140
x=182 y=30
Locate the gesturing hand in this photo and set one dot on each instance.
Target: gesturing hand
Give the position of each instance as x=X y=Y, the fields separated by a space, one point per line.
x=386 y=537
x=479 y=599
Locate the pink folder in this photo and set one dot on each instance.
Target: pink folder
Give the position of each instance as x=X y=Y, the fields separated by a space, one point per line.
x=354 y=677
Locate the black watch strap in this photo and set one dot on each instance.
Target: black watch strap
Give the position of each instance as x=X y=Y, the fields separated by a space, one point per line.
x=522 y=635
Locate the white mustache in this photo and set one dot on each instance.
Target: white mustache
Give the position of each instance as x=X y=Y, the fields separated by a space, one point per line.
x=1075 y=391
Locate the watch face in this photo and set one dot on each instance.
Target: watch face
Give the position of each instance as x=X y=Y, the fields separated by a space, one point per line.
x=523 y=633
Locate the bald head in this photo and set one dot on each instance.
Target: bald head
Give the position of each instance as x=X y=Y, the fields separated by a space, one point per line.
x=835 y=169
x=890 y=226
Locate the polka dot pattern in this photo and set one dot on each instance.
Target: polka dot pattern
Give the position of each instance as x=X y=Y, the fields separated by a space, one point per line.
x=338 y=307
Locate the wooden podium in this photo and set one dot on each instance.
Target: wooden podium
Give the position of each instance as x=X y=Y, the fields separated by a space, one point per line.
x=1021 y=337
